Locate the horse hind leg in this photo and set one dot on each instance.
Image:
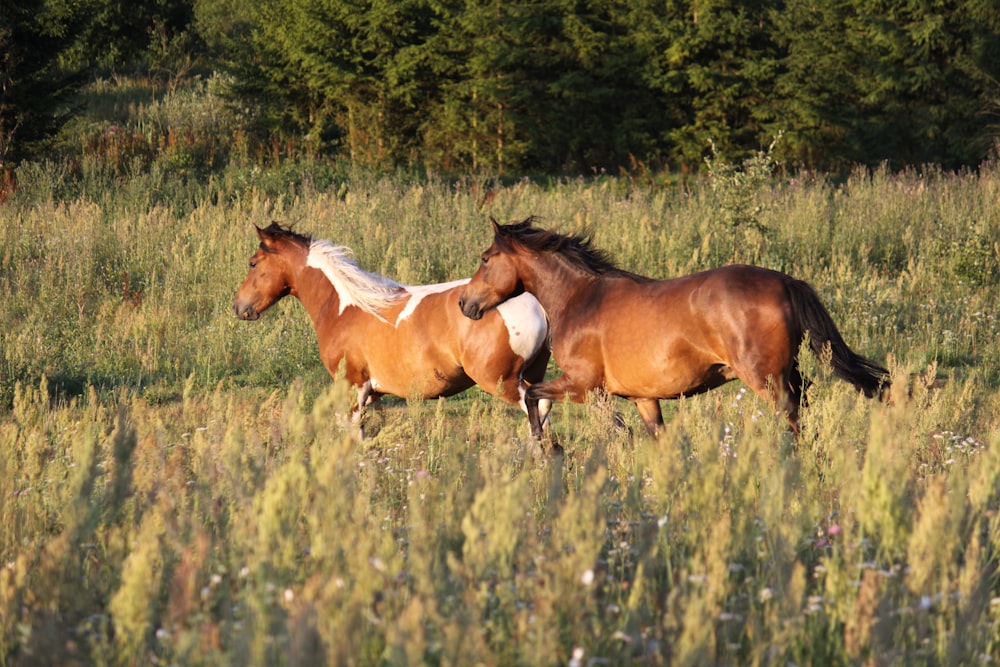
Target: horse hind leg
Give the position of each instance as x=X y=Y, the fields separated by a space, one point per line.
x=511 y=387
x=538 y=410
x=782 y=389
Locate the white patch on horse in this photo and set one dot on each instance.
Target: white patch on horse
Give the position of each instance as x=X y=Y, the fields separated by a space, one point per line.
x=544 y=406
x=418 y=292
x=527 y=324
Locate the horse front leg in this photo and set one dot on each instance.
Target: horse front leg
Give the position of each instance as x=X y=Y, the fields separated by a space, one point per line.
x=366 y=396
x=543 y=394
x=649 y=411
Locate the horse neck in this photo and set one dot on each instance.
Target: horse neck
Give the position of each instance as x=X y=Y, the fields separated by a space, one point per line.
x=316 y=293
x=556 y=284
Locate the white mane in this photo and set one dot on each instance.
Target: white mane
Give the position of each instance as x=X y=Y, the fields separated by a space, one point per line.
x=355 y=286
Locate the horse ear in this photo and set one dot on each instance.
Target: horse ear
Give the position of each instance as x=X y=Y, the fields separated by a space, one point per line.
x=269 y=232
x=268 y=235
x=496 y=226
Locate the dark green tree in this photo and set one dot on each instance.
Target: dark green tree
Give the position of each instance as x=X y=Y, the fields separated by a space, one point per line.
x=715 y=61
x=35 y=90
x=454 y=84
x=867 y=81
x=49 y=47
x=347 y=73
x=555 y=85
x=116 y=35
x=576 y=85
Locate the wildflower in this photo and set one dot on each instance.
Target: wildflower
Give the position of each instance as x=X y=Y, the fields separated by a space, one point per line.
x=587 y=578
x=814 y=604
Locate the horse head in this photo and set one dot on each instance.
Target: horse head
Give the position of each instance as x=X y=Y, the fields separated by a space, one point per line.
x=496 y=280
x=268 y=279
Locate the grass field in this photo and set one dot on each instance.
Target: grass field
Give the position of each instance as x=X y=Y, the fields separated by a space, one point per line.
x=176 y=486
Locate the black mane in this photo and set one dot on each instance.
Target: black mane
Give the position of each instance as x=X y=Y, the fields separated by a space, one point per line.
x=578 y=250
x=276 y=231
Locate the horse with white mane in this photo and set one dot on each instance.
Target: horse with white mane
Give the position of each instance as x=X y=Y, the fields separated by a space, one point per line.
x=392 y=338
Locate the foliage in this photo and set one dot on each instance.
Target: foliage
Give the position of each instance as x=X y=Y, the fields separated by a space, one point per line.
x=742 y=193
x=49 y=47
x=35 y=90
x=229 y=527
x=715 y=64
x=557 y=87
x=177 y=486
x=896 y=83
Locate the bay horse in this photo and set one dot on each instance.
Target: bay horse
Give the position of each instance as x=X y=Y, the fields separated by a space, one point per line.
x=393 y=338
x=644 y=339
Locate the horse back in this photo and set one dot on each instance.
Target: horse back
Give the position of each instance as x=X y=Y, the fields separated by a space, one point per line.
x=728 y=303
x=668 y=337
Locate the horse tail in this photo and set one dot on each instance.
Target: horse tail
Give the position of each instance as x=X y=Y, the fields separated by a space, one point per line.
x=810 y=316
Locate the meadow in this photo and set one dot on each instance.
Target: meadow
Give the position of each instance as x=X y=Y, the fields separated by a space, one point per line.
x=179 y=488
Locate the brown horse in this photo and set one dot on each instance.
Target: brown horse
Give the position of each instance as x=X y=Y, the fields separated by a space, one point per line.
x=393 y=338
x=645 y=339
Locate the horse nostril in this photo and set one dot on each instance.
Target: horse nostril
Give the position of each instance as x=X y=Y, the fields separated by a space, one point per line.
x=244 y=312
x=461 y=303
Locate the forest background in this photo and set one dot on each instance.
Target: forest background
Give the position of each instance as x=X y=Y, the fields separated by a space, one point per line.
x=179 y=487
x=547 y=86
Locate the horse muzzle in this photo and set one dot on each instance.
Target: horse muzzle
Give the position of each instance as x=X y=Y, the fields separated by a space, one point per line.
x=245 y=311
x=470 y=309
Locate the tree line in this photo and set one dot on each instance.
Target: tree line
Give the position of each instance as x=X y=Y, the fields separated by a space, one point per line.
x=556 y=86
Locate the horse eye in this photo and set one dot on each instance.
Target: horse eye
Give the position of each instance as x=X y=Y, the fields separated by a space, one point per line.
x=485 y=259
x=253 y=264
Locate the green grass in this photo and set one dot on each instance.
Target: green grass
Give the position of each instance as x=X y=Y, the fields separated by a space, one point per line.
x=179 y=487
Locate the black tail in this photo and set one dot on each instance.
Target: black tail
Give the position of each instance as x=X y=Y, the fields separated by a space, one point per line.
x=809 y=315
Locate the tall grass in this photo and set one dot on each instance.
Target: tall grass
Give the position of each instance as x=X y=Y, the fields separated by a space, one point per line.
x=230 y=529
x=177 y=487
